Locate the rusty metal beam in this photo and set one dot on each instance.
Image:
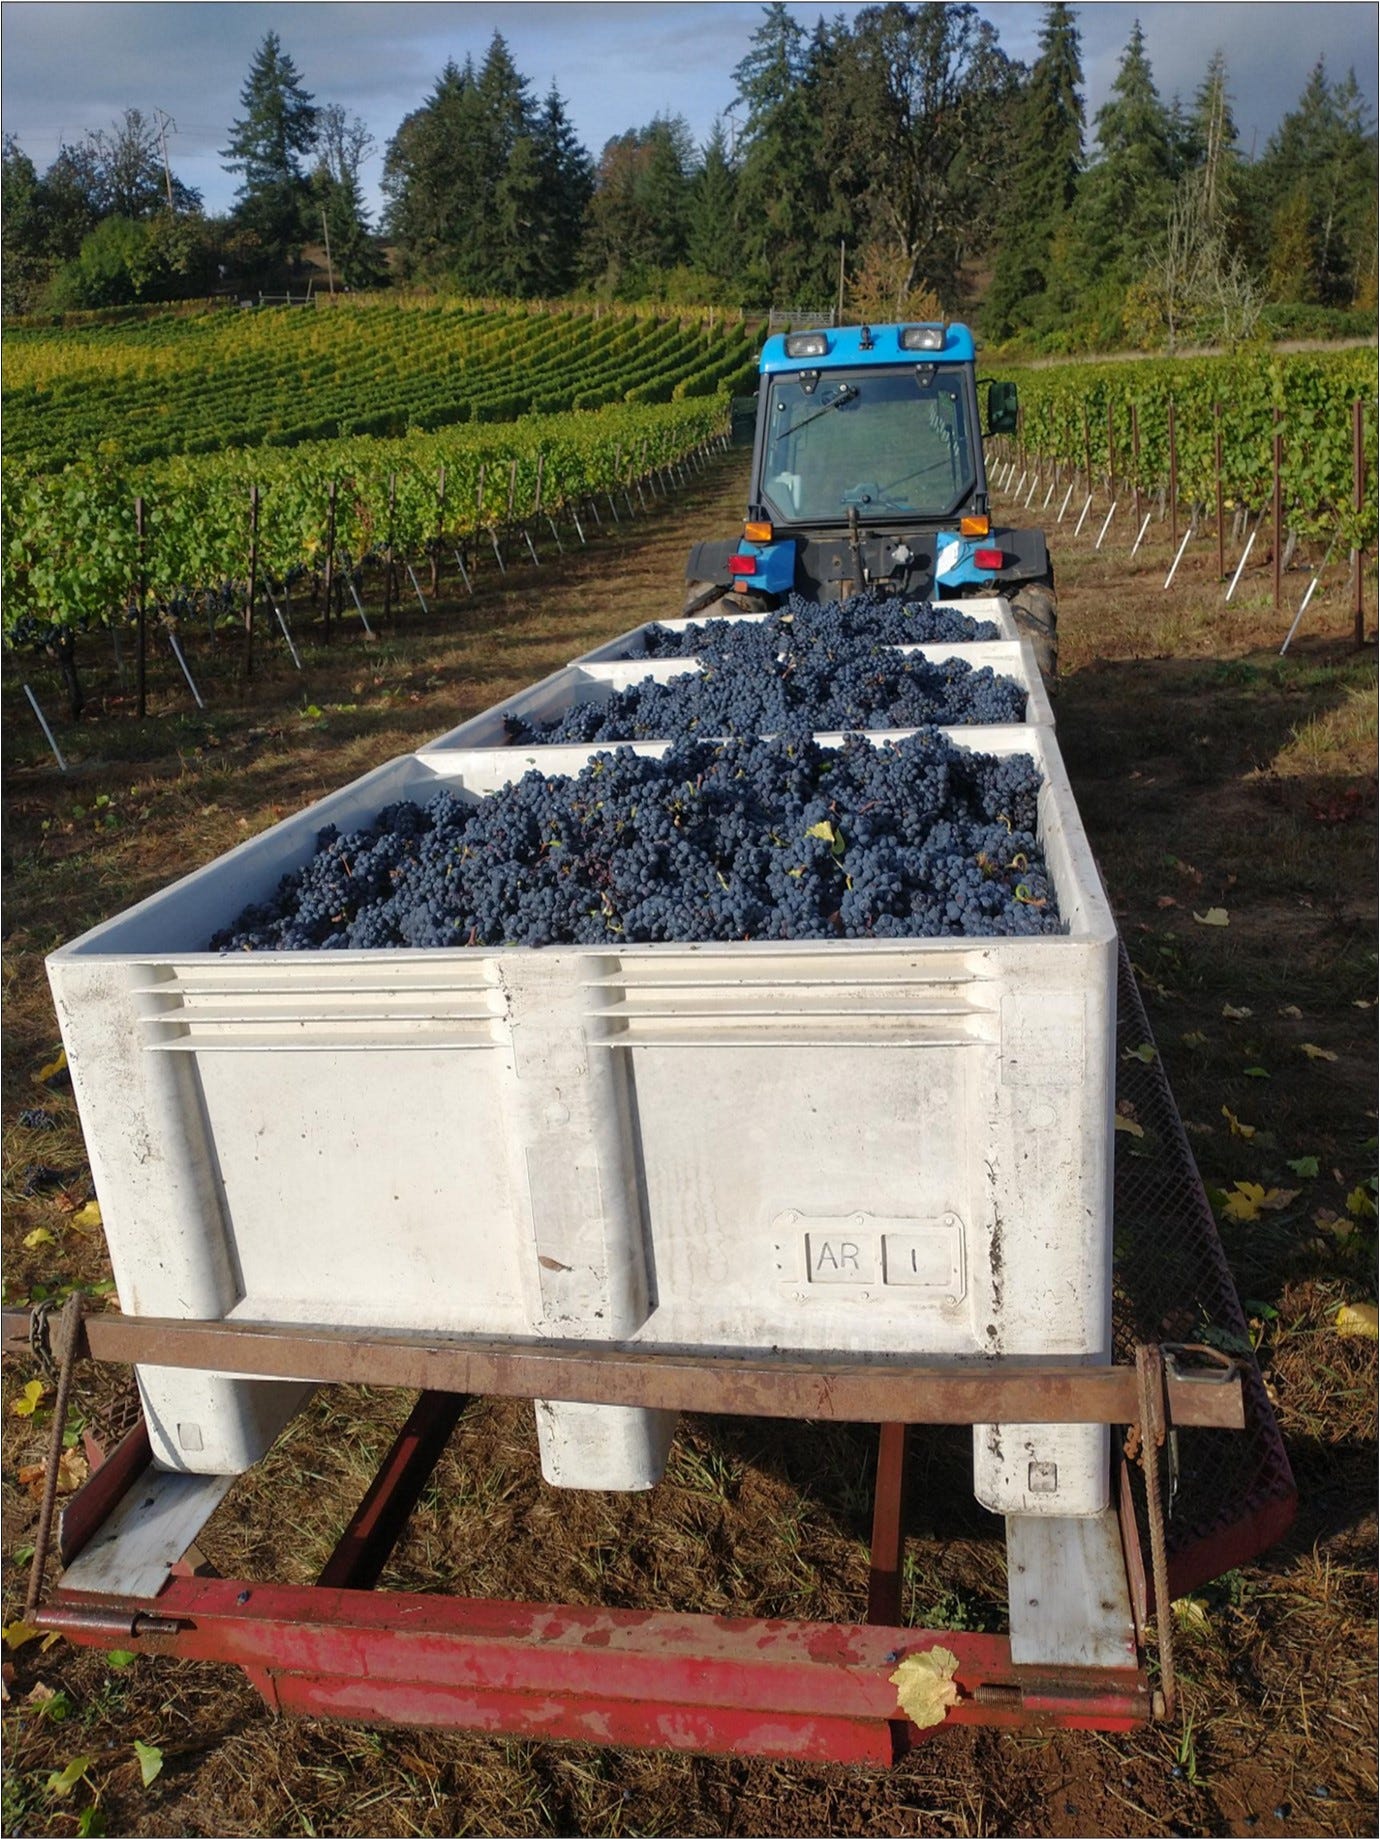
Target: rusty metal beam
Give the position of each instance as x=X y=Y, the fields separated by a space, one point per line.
x=888 y=1527
x=820 y=1386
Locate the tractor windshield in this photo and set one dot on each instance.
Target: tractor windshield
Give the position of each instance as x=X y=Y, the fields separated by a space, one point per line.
x=892 y=443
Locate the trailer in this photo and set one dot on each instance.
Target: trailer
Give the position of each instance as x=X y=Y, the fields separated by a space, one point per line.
x=580 y=1174
x=1201 y=1484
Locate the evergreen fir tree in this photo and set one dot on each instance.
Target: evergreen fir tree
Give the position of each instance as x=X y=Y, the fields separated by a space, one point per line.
x=1126 y=194
x=712 y=244
x=567 y=184
x=1043 y=181
x=266 y=145
x=778 y=179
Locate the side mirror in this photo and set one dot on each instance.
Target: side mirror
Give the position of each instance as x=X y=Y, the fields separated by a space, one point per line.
x=1002 y=410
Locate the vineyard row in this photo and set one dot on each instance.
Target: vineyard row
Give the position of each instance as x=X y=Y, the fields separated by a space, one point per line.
x=85 y=549
x=1181 y=428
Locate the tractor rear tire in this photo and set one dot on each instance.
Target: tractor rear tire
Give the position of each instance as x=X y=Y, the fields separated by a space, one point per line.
x=1037 y=618
x=699 y=595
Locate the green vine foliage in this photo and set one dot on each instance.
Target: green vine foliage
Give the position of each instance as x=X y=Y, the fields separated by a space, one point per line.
x=1067 y=406
x=72 y=558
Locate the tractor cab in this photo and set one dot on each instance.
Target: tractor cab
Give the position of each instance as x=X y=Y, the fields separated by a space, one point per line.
x=867 y=472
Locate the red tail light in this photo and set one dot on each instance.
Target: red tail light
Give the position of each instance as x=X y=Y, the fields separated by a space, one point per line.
x=984 y=558
x=742 y=565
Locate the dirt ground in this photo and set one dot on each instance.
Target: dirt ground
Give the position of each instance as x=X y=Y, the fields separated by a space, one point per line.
x=1211 y=774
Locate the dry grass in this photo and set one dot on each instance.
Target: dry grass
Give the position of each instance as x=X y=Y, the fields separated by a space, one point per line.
x=1209 y=772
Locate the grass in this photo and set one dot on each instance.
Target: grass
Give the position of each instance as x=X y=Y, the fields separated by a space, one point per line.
x=1209 y=772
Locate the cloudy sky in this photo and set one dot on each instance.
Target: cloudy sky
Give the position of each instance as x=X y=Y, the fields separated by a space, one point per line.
x=67 y=66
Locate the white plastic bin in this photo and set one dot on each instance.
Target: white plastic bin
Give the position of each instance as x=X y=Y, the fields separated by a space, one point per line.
x=885 y=1147
x=632 y=644
x=596 y=682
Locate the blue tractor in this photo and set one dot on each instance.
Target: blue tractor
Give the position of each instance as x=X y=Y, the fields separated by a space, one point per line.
x=868 y=474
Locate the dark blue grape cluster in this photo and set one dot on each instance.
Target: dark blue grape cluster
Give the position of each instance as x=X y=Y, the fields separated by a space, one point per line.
x=886 y=619
x=754 y=683
x=741 y=839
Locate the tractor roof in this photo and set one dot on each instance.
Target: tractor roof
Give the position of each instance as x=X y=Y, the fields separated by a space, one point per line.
x=844 y=345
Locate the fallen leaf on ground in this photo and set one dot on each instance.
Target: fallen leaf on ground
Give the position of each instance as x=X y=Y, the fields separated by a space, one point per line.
x=1215 y=916
x=1357 y=1319
x=925 y=1686
x=1316 y=1053
x=1238 y=1129
x=150 y=1760
x=1191 y=1615
x=1129 y=1126
x=1243 y=1200
x=87 y=1218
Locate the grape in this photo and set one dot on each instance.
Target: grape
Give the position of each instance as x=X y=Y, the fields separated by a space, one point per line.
x=748 y=838
x=839 y=669
x=889 y=619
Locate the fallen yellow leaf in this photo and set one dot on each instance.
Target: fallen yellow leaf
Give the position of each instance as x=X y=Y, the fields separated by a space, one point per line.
x=1357 y=1319
x=1130 y=1126
x=925 y=1686
x=87 y=1218
x=1215 y=916
x=1243 y=1201
x=1316 y=1053
x=53 y=1068
x=1233 y=1014
x=17 y=1633
x=39 y=1236
x=1238 y=1129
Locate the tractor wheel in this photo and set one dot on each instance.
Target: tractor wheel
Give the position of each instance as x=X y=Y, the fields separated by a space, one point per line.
x=698 y=596
x=719 y=602
x=1037 y=617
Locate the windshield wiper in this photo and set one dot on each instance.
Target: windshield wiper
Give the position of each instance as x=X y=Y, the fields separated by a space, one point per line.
x=846 y=394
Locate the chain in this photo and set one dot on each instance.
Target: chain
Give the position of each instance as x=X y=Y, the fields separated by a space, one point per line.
x=1147 y=1439
x=68 y=1336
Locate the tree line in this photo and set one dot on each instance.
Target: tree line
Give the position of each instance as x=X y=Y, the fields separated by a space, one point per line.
x=897 y=157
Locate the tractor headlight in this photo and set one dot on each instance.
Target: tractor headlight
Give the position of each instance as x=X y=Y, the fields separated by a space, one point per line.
x=806 y=345
x=923 y=338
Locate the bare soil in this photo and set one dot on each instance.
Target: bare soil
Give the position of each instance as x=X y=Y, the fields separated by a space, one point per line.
x=1210 y=773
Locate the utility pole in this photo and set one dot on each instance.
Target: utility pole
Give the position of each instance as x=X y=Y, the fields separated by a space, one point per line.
x=326 y=238
x=165 y=121
x=838 y=316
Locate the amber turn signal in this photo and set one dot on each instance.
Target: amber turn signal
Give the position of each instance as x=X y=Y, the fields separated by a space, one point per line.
x=761 y=533
x=974 y=526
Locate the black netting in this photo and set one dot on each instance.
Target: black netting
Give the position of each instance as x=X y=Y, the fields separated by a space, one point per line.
x=1171 y=1283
